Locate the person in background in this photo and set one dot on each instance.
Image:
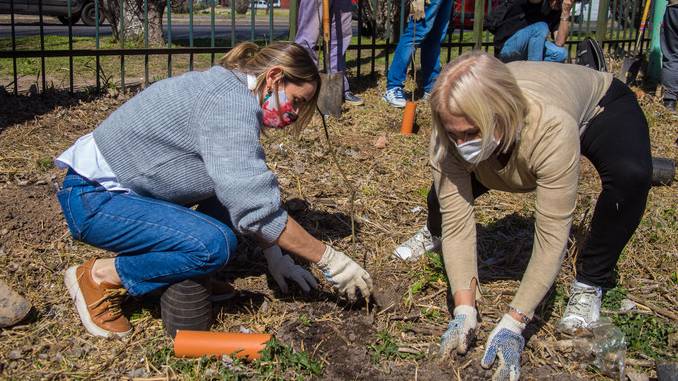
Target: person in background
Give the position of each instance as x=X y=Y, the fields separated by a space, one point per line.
x=501 y=126
x=341 y=31
x=426 y=28
x=192 y=140
x=522 y=33
x=669 y=46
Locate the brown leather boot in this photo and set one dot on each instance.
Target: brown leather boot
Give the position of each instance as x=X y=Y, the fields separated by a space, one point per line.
x=13 y=307
x=98 y=304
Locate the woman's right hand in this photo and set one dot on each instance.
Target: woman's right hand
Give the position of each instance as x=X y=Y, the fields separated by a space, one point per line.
x=461 y=331
x=345 y=274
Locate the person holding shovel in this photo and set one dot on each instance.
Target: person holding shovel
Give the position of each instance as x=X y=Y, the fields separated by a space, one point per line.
x=341 y=31
x=521 y=127
x=427 y=29
x=186 y=141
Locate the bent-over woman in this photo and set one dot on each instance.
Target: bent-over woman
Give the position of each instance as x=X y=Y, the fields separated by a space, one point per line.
x=186 y=141
x=521 y=127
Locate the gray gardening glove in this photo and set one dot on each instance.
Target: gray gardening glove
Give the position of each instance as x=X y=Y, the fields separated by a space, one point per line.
x=461 y=331
x=344 y=274
x=505 y=342
x=282 y=266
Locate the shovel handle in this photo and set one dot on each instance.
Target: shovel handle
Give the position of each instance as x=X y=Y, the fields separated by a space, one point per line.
x=643 y=24
x=326 y=21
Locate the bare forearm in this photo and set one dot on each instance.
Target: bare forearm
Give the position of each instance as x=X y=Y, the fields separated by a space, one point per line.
x=563 y=30
x=298 y=241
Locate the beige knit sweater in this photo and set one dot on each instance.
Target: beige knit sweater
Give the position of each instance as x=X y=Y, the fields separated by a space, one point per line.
x=563 y=98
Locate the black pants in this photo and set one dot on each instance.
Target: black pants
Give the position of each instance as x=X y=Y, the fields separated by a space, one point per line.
x=617 y=142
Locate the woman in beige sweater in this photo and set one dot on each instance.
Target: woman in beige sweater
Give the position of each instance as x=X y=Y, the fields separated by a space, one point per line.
x=521 y=127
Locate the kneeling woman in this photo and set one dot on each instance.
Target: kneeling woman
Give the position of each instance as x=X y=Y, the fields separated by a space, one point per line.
x=521 y=127
x=185 y=141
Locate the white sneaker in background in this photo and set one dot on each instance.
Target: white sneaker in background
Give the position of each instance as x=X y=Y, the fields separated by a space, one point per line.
x=417 y=245
x=582 y=309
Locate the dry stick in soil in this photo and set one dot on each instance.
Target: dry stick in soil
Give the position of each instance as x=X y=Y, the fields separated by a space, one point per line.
x=349 y=185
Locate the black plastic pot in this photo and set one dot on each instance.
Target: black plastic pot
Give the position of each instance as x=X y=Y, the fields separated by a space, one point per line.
x=663 y=171
x=186 y=305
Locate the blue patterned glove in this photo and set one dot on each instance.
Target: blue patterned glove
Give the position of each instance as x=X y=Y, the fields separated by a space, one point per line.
x=506 y=342
x=460 y=332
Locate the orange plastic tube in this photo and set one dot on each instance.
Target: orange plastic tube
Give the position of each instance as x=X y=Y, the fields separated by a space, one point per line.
x=204 y=343
x=407 y=127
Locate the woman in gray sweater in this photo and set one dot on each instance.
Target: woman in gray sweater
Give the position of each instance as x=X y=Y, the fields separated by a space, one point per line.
x=186 y=141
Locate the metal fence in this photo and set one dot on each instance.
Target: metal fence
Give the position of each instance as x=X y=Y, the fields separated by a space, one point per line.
x=194 y=41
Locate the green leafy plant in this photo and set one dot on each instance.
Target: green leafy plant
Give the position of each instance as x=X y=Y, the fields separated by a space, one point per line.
x=279 y=360
x=386 y=348
x=646 y=334
x=434 y=272
x=613 y=297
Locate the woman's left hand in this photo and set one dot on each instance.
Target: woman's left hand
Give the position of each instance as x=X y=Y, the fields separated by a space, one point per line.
x=282 y=266
x=506 y=342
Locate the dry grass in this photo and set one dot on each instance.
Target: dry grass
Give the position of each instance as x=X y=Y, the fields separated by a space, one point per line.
x=398 y=342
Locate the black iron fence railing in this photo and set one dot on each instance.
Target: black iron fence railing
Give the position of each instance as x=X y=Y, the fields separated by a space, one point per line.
x=93 y=44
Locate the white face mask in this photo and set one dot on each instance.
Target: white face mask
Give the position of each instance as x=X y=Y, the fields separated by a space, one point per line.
x=471 y=151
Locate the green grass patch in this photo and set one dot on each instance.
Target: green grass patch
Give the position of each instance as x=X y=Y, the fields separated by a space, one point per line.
x=433 y=272
x=646 y=334
x=386 y=348
x=612 y=299
x=278 y=361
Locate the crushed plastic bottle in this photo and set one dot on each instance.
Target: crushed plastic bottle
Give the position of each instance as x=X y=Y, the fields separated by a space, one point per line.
x=609 y=348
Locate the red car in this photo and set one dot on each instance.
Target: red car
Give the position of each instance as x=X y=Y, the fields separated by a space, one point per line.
x=468 y=7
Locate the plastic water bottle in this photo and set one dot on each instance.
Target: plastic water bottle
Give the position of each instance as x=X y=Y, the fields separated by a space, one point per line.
x=609 y=348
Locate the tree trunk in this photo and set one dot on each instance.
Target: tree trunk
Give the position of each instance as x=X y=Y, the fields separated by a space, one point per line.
x=132 y=29
x=382 y=17
x=241 y=6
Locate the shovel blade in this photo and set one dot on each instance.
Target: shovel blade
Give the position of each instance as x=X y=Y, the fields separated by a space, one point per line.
x=331 y=93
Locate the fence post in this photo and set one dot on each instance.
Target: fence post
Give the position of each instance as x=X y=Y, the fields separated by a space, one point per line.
x=601 y=27
x=478 y=16
x=654 y=67
x=294 y=12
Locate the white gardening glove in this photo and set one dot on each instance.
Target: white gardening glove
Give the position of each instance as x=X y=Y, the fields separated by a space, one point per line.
x=417 y=9
x=282 y=266
x=506 y=342
x=344 y=274
x=461 y=331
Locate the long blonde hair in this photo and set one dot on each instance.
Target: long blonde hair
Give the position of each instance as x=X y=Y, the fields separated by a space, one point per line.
x=297 y=68
x=481 y=89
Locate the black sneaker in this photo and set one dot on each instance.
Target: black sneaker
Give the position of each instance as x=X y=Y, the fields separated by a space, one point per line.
x=670 y=104
x=352 y=99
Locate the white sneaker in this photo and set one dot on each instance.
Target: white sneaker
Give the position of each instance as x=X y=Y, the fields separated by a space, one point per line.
x=582 y=309
x=395 y=97
x=417 y=245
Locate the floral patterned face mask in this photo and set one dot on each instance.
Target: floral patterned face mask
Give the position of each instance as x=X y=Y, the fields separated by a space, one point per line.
x=278 y=111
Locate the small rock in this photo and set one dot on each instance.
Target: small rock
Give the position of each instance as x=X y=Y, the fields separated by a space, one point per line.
x=264 y=306
x=244 y=330
x=673 y=340
x=627 y=305
x=22 y=183
x=43 y=356
x=351 y=152
x=416 y=209
x=15 y=355
x=632 y=375
x=381 y=142
x=4 y=231
x=139 y=372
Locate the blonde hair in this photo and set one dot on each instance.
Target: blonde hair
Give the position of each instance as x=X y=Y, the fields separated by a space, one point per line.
x=481 y=89
x=297 y=68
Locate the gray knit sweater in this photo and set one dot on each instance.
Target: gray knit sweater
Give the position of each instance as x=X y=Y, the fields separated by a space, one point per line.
x=188 y=138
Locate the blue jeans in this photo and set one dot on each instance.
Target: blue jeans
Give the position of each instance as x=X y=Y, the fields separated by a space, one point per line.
x=530 y=44
x=430 y=33
x=158 y=243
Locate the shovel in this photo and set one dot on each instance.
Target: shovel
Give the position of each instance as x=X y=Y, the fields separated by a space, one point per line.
x=631 y=64
x=331 y=84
